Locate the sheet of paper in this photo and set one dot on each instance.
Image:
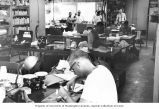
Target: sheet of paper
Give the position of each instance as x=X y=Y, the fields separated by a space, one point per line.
x=66 y=77
x=78 y=87
x=52 y=79
x=11 y=77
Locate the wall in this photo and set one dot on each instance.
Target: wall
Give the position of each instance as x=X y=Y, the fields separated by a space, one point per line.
x=37 y=16
x=129 y=11
x=142 y=11
x=61 y=10
x=136 y=12
x=152 y=27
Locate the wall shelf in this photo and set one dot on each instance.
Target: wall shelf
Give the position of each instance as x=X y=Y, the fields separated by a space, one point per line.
x=4 y=26
x=20 y=16
x=20 y=7
x=21 y=25
x=4 y=6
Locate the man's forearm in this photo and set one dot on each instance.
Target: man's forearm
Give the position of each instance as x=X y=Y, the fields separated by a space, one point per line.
x=69 y=99
x=73 y=99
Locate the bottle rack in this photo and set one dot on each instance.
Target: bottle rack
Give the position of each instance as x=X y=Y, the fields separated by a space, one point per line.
x=21 y=16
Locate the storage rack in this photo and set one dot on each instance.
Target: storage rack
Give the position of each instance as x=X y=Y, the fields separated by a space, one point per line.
x=21 y=16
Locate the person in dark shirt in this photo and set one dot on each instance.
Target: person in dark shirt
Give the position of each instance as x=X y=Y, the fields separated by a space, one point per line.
x=125 y=28
x=69 y=22
x=93 y=37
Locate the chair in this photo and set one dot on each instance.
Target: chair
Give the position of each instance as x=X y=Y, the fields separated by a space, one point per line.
x=11 y=67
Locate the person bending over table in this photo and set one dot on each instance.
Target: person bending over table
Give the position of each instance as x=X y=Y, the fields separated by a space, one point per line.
x=99 y=85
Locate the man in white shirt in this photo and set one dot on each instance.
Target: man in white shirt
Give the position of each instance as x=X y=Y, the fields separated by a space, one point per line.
x=121 y=17
x=99 y=84
x=97 y=18
x=79 y=18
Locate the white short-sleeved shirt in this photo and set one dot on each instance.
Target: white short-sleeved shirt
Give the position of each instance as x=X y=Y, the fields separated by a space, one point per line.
x=97 y=19
x=121 y=17
x=79 y=19
x=100 y=87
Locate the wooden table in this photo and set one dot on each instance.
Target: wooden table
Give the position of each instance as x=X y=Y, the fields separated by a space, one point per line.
x=79 y=38
x=130 y=39
x=31 y=51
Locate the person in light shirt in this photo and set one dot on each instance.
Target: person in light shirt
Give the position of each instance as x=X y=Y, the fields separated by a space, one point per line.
x=99 y=85
x=97 y=18
x=121 y=17
x=79 y=18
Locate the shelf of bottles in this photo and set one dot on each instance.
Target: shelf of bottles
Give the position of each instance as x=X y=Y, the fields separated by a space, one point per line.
x=21 y=16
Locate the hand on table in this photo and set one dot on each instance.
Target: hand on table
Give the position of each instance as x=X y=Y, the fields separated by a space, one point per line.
x=71 y=84
x=62 y=92
x=62 y=95
x=65 y=96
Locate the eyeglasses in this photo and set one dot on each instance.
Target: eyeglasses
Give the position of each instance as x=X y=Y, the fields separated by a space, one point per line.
x=71 y=68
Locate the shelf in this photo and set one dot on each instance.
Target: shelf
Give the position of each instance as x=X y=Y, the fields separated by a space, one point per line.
x=4 y=26
x=20 y=16
x=4 y=6
x=21 y=25
x=20 y=7
x=4 y=35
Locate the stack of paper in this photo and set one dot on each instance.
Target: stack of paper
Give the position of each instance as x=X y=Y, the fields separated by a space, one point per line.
x=66 y=77
x=78 y=87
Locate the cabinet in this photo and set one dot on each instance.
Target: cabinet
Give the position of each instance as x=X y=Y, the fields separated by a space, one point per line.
x=21 y=16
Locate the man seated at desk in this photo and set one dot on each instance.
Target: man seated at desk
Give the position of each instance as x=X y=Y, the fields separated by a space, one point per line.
x=93 y=37
x=125 y=28
x=99 y=84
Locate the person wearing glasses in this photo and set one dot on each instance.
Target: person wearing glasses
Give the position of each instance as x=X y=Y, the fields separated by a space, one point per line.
x=99 y=85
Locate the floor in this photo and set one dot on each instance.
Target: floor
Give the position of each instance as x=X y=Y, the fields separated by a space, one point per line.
x=139 y=78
